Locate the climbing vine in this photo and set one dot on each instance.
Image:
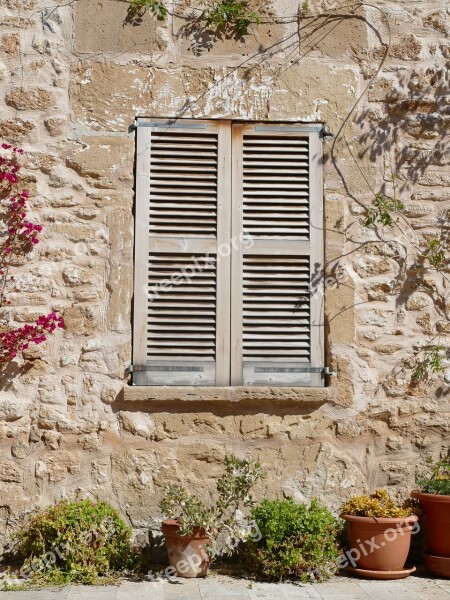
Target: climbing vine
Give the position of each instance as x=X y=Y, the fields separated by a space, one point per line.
x=386 y=212
x=18 y=237
x=430 y=361
x=230 y=17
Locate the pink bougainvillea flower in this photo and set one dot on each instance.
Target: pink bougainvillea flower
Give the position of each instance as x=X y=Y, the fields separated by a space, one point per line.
x=21 y=234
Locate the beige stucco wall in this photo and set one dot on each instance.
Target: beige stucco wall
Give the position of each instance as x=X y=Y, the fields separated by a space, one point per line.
x=72 y=79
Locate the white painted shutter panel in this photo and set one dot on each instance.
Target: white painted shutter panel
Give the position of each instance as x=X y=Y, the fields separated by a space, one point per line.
x=277 y=324
x=181 y=304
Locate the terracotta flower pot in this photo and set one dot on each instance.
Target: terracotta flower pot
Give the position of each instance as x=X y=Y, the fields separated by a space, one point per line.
x=379 y=544
x=436 y=513
x=187 y=553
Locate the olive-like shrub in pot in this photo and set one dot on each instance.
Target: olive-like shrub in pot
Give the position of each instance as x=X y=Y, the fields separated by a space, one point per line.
x=195 y=532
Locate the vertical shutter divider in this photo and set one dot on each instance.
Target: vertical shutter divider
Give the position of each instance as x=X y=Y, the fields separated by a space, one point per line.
x=140 y=305
x=237 y=256
x=223 y=315
x=317 y=259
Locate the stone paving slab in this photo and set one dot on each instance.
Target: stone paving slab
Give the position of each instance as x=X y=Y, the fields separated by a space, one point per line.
x=139 y=591
x=220 y=587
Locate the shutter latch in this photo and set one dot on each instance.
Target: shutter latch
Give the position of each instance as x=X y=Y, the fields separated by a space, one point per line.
x=322 y=370
x=328 y=371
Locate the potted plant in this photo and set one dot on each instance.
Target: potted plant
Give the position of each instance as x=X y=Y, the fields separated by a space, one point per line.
x=434 y=498
x=195 y=532
x=379 y=534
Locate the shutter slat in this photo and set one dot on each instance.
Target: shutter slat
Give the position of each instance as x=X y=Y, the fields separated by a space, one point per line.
x=285 y=170
x=161 y=175
x=279 y=141
x=161 y=184
x=168 y=137
x=279 y=188
x=159 y=353
x=276 y=321
x=278 y=194
x=177 y=152
x=168 y=317
x=164 y=169
x=292 y=202
x=284 y=166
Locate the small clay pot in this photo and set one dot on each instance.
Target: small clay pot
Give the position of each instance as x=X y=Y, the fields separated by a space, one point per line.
x=436 y=516
x=381 y=543
x=187 y=553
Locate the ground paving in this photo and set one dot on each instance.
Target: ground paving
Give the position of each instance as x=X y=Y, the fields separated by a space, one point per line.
x=220 y=587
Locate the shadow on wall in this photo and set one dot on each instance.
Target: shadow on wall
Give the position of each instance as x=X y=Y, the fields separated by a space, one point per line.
x=413 y=107
x=9 y=372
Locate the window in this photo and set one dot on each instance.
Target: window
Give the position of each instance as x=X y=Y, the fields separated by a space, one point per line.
x=229 y=236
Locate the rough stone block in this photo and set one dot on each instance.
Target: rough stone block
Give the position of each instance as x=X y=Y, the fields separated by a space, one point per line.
x=138 y=424
x=105 y=161
x=10 y=44
x=56 y=125
x=16 y=22
x=15 y=130
x=408 y=48
x=29 y=99
x=105 y=26
x=13 y=408
x=10 y=472
x=195 y=39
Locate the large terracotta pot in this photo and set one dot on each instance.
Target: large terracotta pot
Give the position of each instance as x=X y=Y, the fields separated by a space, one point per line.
x=187 y=553
x=382 y=543
x=436 y=513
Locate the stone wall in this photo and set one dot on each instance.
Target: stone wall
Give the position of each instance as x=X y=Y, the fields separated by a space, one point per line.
x=72 y=79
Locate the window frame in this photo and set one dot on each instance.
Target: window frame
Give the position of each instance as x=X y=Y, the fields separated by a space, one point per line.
x=228 y=358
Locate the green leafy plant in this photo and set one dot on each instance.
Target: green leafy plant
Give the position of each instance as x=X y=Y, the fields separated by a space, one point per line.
x=79 y=542
x=383 y=211
x=137 y=9
x=219 y=520
x=229 y=17
x=298 y=541
x=436 y=254
x=438 y=482
x=304 y=11
x=431 y=360
x=232 y=17
x=379 y=504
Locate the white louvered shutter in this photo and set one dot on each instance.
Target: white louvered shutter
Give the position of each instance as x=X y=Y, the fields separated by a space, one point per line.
x=182 y=303
x=277 y=324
